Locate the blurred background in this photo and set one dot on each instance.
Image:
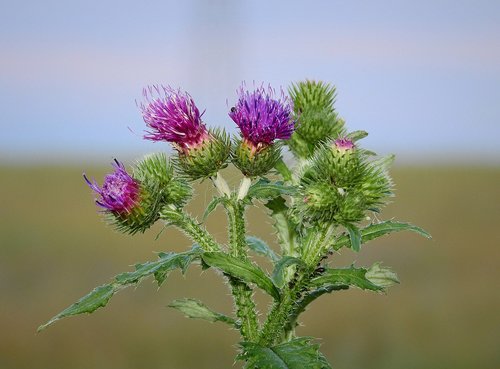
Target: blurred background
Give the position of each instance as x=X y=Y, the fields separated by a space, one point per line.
x=423 y=78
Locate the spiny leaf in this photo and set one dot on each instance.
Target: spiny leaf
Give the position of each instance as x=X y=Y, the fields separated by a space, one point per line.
x=298 y=353
x=212 y=205
x=380 y=229
x=381 y=276
x=357 y=135
x=100 y=296
x=376 y=278
x=283 y=169
x=309 y=297
x=159 y=268
x=283 y=225
x=260 y=247
x=265 y=189
x=173 y=261
x=280 y=269
x=354 y=236
x=345 y=277
x=195 y=309
x=243 y=270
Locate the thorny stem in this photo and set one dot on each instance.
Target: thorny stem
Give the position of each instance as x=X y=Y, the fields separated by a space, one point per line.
x=190 y=227
x=316 y=244
x=242 y=293
x=245 y=306
x=273 y=329
x=278 y=321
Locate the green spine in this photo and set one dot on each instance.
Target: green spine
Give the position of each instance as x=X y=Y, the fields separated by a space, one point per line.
x=205 y=161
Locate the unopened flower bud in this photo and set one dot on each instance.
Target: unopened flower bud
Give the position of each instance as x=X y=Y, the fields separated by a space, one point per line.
x=339 y=184
x=343 y=145
x=317 y=120
x=157 y=174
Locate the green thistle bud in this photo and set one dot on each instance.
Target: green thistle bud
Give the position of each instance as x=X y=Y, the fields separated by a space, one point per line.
x=157 y=174
x=206 y=159
x=317 y=119
x=254 y=160
x=312 y=95
x=339 y=184
x=319 y=197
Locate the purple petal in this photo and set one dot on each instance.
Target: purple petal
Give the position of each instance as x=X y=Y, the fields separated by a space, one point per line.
x=262 y=117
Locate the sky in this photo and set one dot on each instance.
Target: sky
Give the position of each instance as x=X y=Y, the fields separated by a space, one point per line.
x=422 y=77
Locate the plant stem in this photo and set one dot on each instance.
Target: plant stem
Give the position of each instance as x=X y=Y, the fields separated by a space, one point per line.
x=277 y=324
x=315 y=245
x=276 y=321
x=190 y=227
x=236 y=218
x=245 y=306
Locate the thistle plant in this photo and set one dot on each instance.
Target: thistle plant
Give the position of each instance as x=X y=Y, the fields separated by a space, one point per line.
x=319 y=205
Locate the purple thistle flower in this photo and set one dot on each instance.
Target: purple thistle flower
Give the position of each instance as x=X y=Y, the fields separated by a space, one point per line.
x=344 y=144
x=119 y=192
x=261 y=117
x=173 y=116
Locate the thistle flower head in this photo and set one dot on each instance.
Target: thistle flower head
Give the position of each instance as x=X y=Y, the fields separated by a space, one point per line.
x=119 y=192
x=262 y=117
x=172 y=116
x=343 y=145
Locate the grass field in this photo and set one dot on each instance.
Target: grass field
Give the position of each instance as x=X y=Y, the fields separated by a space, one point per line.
x=54 y=249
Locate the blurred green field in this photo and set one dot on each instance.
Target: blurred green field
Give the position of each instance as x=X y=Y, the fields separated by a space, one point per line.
x=54 y=249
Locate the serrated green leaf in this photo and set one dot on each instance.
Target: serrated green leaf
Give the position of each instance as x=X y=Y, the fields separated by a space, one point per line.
x=352 y=276
x=159 y=268
x=298 y=353
x=260 y=247
x=100 y=296
x=280 y=267
x=212 y=205
x=283 y=169
x=376 y=278
x=286 y=230
x=357 y=135
x=242 y=270
x=309 y=297
x=381 y=276
x=171 y=261
x=380 y=229
x=354 y=237
x=195 y=309
x=265 y=189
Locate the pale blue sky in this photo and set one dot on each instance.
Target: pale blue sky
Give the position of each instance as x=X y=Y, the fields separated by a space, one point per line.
x=423 y=77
